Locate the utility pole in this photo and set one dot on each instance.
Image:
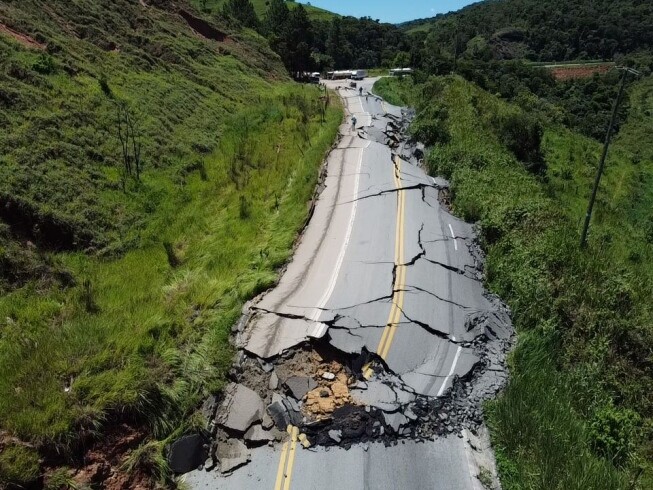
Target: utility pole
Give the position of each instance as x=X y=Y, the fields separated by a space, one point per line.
x=606 y=146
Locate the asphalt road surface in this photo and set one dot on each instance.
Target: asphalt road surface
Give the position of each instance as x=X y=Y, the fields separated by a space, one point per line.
x=382 y=267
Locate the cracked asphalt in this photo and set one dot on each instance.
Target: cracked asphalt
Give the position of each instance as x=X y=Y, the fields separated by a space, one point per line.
x=389 y=278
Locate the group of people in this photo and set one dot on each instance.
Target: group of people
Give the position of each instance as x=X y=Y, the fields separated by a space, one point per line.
x=353 y=118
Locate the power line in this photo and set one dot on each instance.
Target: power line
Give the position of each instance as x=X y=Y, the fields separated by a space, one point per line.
x=615 y=109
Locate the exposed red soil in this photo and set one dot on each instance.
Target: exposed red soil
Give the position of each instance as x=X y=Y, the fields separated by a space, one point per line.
x=562 y=73
x=23 y=39
x=102 y=467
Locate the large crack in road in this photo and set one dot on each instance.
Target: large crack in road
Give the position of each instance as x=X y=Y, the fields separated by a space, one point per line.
x=339 y=369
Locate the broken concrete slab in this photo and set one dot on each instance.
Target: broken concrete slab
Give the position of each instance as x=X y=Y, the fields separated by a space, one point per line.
x=379 y=395
x=283 y=412
x=258 y=435
x=187 y=453
x=232 y=454
x=300 y=385
x=240 y=409
x=429 y=379
x=395 y=420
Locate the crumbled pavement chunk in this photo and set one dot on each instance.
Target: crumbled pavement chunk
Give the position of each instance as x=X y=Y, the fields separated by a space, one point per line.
x=257 y=435
x=187 y=453
x=241 y=408
x=299 y=386
x=232 y=454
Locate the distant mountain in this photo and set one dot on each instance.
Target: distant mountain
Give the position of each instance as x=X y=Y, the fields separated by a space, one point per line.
x=552 y=30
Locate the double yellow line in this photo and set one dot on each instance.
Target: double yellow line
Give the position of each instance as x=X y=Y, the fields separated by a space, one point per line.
x=289 y=448
x=284 y=473
x=287 y=461
x=400 y=276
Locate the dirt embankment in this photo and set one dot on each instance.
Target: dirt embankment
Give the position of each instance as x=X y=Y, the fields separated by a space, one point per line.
x=572 y=72
x=23 y=39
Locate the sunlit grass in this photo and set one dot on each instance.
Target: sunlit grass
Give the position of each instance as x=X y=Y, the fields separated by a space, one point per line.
x=158 y=340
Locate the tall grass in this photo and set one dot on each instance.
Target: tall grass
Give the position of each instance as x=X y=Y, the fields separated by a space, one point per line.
x=545 y=444
x=157 y=341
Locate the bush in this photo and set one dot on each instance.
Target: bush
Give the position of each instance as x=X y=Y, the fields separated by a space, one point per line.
x=522 y=134
x=19 y=465
x=614 y=432
x=44 y=65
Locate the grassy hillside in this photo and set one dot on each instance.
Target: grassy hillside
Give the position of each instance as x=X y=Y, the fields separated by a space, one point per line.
x=119 y=285
x=577 y=413
x=261 y=7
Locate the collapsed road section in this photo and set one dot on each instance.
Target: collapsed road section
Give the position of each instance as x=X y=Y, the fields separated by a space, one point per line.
x=379 y=329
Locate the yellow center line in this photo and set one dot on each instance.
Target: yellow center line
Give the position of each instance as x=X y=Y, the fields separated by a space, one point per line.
x=282 y=466
x=291 y=457
x=400 y=276
x=284 y=472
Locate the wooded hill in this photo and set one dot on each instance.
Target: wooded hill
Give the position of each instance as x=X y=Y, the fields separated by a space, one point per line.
x=552 y=30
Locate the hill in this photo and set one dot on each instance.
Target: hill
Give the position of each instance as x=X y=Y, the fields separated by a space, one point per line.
x=556 y=30
x=155 y=167
x=261 y=8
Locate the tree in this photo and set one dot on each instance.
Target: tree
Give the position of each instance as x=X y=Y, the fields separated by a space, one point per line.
x=243 y=11
x=300 y=38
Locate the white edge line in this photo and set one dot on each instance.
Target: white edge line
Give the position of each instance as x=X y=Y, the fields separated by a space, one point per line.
x=453 y=235
x=472 y=468
x=321 y=327
x=453 y=368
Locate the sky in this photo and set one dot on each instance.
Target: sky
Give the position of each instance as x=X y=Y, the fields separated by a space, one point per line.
x=393 y=11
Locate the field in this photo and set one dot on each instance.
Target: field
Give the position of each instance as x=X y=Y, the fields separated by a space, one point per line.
x=572 y=71
x=577 y=411
x=120 y=283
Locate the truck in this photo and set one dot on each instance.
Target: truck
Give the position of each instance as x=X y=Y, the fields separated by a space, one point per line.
x=358 y=74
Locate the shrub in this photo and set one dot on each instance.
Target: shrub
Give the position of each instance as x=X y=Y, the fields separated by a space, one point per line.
x=44 y=65
x=19 y=465
x=613 y=433
x=522 y=134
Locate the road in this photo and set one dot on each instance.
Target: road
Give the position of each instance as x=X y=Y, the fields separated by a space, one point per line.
x=382 y=268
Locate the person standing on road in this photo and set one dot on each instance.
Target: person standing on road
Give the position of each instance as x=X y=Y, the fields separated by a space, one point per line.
x=360 y=91
x=353 y=123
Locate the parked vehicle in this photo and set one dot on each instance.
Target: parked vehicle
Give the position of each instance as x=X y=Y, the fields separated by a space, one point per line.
x=358 y=74
x=401 y=72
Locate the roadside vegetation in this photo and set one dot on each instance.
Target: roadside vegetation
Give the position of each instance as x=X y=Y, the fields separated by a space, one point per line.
x=577 y=411
x=152 y=179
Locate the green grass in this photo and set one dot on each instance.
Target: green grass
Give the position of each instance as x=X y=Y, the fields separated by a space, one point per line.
x=158 y=342
x=399 y=92
x=576 y=413
x=131 y=321
x=261 y=8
